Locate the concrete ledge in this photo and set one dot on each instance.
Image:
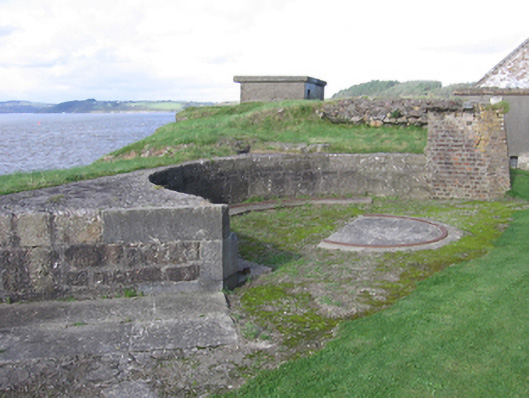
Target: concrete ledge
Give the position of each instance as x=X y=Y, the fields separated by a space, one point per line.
x=124 y=325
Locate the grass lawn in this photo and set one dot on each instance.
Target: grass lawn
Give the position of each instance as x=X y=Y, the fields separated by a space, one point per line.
x=462 y=332
x=207 y=132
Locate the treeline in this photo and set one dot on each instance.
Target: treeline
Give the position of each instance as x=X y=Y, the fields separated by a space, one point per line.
x=394 y=88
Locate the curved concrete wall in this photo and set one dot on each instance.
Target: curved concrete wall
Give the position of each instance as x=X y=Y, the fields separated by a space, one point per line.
x=235 y=179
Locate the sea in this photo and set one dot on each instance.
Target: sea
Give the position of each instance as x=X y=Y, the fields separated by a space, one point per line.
x=45 y=141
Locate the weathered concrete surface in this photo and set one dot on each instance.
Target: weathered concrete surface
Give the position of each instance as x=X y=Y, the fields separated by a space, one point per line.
x=98 y=237
x=237 y=178
x=378 y=232
x=102 y=344
x=279 y=88
x=124 y=191
x=52 y=329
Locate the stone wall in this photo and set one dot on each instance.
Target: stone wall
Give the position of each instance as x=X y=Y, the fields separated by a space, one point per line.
x=467 y=142
x=235 y=179
x=386 y=111
x=70 y=241
x=467 y=154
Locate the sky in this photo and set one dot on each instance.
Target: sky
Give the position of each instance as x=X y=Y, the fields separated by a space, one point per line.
x=60 y=50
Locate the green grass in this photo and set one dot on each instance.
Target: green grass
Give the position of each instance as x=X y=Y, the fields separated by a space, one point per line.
x=206 y=132
x=312 y=289
x=519 y=183
x=462 y=332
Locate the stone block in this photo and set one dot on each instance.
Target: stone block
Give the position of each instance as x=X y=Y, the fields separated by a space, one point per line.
x=5 y=230
x=163 y=224
x=77 y=228
x=34 y=229
x=180 y=252
x=211 y=273
x=145 y=274
x=84 y=256
x=109 y=278
x=134 y=256
x=14 y=271
x=113 y=255
x=77 y=278
x=171 y=253
x=41 y=269
x=182 y=274
x=238 y=185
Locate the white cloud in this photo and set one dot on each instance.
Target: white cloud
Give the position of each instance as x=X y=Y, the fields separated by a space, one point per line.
x=60 y=50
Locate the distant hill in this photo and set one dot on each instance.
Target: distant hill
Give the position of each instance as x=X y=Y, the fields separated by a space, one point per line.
x=93 y=106
x=23 y=107
x=394 y=88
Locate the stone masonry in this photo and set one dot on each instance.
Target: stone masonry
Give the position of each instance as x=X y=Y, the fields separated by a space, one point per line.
x=98 y=237
x=467 y=147
x=386 y=111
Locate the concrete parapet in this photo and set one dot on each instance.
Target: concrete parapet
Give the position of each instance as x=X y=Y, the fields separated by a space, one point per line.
x=55 y=248
x=237 y=178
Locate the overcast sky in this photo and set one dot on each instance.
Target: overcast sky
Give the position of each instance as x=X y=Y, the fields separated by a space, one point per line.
x=61 y=50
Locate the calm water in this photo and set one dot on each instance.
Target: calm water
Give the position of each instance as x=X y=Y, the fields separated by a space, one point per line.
x=30 y=142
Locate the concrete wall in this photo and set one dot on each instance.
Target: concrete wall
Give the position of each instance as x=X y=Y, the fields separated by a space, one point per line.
x=269 y=92
x=235 y=179
x=279 y=88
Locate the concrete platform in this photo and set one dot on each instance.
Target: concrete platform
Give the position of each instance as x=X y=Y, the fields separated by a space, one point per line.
x=55 y=329
x=380 y=232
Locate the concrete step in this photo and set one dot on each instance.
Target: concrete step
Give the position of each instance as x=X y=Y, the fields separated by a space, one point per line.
x=56 y=329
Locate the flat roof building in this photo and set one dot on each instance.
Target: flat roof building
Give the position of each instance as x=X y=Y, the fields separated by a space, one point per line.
x=279 y=88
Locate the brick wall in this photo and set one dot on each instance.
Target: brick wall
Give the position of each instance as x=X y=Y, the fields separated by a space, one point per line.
x=467 y=154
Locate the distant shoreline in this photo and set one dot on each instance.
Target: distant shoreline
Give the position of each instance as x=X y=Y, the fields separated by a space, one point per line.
x=94 y=106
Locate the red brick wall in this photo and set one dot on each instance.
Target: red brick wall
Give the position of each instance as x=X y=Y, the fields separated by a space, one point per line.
x=467 y=154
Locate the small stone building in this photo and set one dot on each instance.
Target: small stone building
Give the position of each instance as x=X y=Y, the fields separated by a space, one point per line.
x=509 y=81
x=279 y=88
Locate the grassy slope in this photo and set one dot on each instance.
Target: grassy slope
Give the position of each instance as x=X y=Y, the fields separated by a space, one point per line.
x=206 y=132
x=461 y=333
